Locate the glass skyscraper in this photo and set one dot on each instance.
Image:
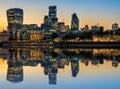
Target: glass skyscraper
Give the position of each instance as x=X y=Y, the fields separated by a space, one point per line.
x=52 y=11
x=75 y=22
x=15 y=21
x=53 y=20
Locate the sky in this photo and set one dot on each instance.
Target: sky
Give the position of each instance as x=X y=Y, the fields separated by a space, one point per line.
x=90 y=12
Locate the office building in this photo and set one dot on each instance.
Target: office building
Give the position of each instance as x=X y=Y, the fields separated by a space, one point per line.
x=53 y=20
x=52 y=11
x=15 y=21
x=74 y=22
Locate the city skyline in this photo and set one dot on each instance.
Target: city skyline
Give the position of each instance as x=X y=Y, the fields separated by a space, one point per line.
x=93 y=12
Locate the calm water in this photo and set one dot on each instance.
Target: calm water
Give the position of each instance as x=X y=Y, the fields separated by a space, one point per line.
x=47 y=68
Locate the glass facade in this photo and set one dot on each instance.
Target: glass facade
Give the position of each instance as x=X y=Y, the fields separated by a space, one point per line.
x=15 y=22
x=15 y=19
x=75 y=22
x=53 y=20
x=52 y=11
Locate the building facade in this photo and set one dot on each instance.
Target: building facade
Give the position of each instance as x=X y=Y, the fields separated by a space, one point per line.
x=52 y=11
x=74 y=22
x=53 y=20
x=15 y=21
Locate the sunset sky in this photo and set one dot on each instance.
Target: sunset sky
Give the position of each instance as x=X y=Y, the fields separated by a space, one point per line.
x=91 y=12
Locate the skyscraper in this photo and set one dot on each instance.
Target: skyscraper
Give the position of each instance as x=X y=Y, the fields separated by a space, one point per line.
x=52 y=11
x=15 y=21
x=50 y=20
x=74 y=22
x=53 y=20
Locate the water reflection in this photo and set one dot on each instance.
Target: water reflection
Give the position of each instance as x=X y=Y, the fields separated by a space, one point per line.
x=51 y=60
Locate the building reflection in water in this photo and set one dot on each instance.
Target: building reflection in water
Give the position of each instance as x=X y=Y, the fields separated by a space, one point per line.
x=75 y=67
x=15 y=68
x=50 y=69
x=54 y=59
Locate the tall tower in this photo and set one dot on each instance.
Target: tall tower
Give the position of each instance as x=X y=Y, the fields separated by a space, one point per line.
x=52 y=11
x=15 y=21
x=75 y=22
x=53 y=20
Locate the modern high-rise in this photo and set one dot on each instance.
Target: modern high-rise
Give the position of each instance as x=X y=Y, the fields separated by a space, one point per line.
x=53 y=20
x=52 y=11
x=74 y=22
x=50 y=20
x=15 y=21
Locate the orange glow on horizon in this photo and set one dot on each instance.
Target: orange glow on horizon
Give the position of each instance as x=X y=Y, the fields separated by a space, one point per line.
x=33 y=18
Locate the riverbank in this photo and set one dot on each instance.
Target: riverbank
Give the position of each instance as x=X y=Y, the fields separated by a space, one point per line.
x=88 y=45
x=62 y=44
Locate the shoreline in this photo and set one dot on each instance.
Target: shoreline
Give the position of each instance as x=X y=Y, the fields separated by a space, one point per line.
x=89 y=45
x=62 y=44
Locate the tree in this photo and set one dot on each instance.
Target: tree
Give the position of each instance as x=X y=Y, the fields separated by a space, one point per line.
x=85 y=35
